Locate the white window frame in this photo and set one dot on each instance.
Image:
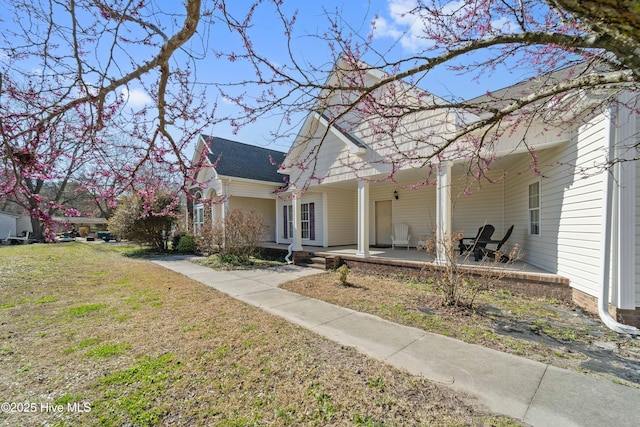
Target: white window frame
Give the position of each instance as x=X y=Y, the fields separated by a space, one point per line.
x=534 y=209
x=198 y=213
x=305 y=220
x=289 y=222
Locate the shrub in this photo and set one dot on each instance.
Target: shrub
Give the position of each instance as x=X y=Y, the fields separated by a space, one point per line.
x=146 y=220
x=239 y=234
x=457 y=286
x=83 y=230
x=343 y=272
x=175 y=240
x=209 y=238
x=187 y=244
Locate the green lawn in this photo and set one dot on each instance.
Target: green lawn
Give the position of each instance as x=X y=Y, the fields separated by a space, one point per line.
x=91 y=336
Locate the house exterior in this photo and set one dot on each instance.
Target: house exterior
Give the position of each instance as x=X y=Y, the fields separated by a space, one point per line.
x=233 y=175
x=12 y=224
x=349 y=183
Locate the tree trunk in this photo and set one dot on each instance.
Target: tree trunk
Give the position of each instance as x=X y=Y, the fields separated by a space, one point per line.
x=36 y=226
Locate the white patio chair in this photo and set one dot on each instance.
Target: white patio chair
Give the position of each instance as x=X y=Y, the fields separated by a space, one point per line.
x=400 y=236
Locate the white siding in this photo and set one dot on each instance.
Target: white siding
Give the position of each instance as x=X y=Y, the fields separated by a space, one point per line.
x=483 y=204
x=416 y=208
x=342 y=217
x=245 y=188
x=264 y=207
x=24 y=224
x=538 y=135
x=309 y=197
x=7 y=225
x=637 y=281
x=571 y=212
x=320 y=155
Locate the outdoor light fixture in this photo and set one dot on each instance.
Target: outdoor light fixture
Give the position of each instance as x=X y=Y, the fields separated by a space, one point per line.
x=395 y=194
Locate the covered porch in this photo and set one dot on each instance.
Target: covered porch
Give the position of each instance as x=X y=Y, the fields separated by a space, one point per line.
x=412 y=255
x=517 y=276
x=436 y=203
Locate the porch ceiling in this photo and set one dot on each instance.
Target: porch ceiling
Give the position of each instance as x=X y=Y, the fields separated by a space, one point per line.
x=421 y=175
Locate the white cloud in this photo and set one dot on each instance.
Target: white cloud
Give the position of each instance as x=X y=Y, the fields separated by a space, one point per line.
x=136 y=97
x=406 y=24
x=385 y=29
x=503 y=24
x=402 y=25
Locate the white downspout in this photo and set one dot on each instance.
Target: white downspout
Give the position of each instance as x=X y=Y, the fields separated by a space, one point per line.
x=605 y=272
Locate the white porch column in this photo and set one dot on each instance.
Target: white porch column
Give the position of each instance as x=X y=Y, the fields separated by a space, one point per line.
x=186 y=212
x=225 y=205
x=277 y=224
x=623 y=291
x=297 y=225
x=363 y=219
x=443 y=212
x=224 y=209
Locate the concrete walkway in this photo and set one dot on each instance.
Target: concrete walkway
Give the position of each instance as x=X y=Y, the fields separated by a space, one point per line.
x=536 y=393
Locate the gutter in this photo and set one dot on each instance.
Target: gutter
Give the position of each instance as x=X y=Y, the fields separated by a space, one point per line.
x=605 y=249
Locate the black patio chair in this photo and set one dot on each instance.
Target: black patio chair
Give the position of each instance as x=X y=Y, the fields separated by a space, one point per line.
x=469 y=244
x=480 y=253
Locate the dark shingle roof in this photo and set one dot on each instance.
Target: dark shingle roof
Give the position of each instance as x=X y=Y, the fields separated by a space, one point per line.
x=241 y=160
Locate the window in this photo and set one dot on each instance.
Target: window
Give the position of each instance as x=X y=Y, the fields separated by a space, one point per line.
x=288 y=222
x=307 y=221
x=198 y=213
x=534 y=208
x=304 y=220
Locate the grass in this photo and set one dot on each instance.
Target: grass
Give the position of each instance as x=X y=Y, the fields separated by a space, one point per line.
x=555 y=334
x=232 y=262
x=121 y=341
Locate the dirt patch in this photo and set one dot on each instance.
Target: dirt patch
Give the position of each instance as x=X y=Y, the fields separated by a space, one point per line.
x=572 y=331
x=541 y=329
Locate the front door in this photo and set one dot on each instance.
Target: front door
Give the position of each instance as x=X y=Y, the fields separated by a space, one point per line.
x=383 y=223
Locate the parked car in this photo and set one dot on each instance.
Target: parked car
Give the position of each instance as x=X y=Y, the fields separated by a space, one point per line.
x=106 y=236
x=65 y=237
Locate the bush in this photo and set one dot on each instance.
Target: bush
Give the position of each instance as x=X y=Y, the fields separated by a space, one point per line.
x=458 y=286
x=175 y=240
x=84 y=231
x=187 y=244
x=343 y=272
x=146 y=220
x=239 y=234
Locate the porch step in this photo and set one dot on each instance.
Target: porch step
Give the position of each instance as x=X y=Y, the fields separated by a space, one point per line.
x=316 y=262
x=319 y=261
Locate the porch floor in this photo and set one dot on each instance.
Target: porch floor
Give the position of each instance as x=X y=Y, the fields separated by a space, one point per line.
x=413 y=255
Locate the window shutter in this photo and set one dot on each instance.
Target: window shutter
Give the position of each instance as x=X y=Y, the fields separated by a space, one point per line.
x=286 y=223
x=312 y=221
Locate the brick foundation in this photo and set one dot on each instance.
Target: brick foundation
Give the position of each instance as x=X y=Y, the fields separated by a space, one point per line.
x=542 y=285
x=590 y=303
x=533 y=284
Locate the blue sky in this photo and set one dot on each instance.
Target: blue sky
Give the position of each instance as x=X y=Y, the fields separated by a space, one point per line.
x=397 y=35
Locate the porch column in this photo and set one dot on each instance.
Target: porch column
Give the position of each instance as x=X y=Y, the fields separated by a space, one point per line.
x=224 y=209
x=277 y=229
x=297 y=225
x=186 y=212
x=624 y=268
x=443 y=212
x=225 y=205
x=363 y=219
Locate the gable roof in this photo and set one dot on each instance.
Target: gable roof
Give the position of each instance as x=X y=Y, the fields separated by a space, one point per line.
x=321 y=113
x=236 y=159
